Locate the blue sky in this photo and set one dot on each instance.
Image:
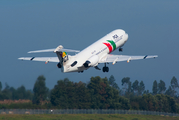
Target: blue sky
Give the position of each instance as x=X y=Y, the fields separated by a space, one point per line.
x=32 y=25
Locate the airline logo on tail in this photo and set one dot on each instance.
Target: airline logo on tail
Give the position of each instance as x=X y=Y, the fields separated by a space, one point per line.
x=63 y=54
x=111 y=45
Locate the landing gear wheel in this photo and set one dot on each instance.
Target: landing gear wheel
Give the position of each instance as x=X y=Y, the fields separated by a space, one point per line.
x=120 y=49
x=80 y=71
x=105 y=69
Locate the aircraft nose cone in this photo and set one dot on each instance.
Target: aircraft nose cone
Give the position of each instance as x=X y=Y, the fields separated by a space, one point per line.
x=126 y=37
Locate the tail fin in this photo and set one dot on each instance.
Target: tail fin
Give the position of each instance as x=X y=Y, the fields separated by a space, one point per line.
x=62 y=55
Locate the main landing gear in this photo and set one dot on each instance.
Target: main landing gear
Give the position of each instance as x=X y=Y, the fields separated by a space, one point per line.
x=80 y=71
x=120 y=49
x=105 y=69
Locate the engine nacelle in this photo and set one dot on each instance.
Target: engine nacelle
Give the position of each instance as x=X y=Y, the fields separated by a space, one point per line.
x=59 y=65
x=92 y=61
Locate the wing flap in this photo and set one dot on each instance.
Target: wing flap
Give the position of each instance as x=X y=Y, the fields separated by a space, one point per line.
x=45 y=59
x=120 y=58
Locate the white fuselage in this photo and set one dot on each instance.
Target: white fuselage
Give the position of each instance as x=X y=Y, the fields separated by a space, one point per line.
x=96 y=51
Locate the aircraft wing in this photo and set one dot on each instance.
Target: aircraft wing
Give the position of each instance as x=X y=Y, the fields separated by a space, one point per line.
x=120 y=58
x=45 y=59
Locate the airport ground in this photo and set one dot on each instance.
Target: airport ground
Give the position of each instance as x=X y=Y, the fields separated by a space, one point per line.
x=85 y=117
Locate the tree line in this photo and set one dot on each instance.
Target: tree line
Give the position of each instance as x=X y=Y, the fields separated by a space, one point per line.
x=98 y=93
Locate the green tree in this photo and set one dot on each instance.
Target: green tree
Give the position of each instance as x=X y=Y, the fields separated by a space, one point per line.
x=69 y=95
x=6 y=92
x=124 y=103
x=82 y=96
x=125 y=82
x=155 y=88
x=22 y=93
x=165 y=103
x=97 y=87
x=170 y=92
x=161 y=87
x=14 y=93
x=40 y=90
x=59 y=94
x=135 y=87
x=149 y=102
x=113 y=83
x=29 y=94
x=129 y=90
x=146 y=92
x=174 y=85
x=103 y=96
x=141 y=87
x=0 y=86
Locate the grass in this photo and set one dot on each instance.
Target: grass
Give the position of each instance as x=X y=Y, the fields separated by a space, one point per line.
x=85 y=117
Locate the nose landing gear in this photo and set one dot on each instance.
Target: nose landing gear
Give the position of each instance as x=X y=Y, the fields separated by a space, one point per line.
x=105 y=69
x=120 y=49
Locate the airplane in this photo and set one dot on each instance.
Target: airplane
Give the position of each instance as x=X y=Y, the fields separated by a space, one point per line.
x=96 y=53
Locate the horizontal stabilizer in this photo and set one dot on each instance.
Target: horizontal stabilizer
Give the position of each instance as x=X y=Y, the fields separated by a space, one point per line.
x=45 y=59
x=38 y=51
x=58 y=49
